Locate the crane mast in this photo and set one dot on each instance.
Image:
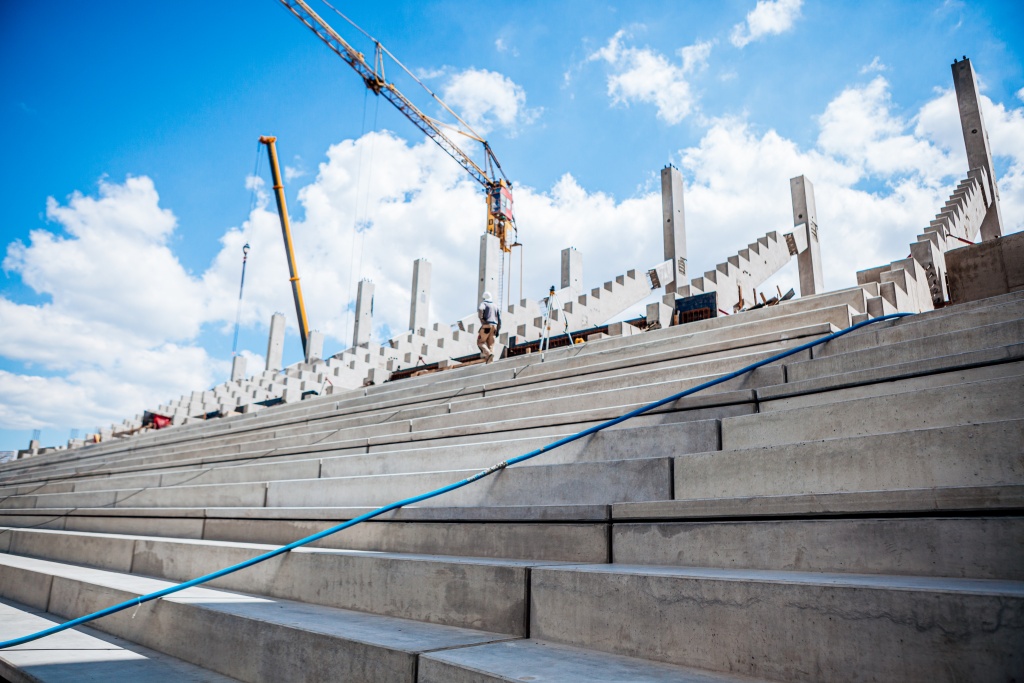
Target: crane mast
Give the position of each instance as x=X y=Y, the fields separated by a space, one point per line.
x=500 y=218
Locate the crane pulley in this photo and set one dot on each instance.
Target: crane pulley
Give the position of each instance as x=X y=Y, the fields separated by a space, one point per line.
x=500 y=216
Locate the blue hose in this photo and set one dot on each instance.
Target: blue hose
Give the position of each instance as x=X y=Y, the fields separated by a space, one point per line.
x=437 y=492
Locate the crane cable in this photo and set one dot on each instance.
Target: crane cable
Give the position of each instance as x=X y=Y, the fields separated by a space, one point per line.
x=355 y=218
x=245 y=249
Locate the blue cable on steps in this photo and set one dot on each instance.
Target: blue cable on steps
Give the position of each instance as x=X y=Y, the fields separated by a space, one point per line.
x=437 y=492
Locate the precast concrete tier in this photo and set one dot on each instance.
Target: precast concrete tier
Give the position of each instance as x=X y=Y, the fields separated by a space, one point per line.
x=237 y=368
x=979 y=154
x=314 y=346
x=419 y=308
x=805 y=218
x=673 y=224
x=490 y=266
x=275 y=342
x=572 y=270
x=364 y=314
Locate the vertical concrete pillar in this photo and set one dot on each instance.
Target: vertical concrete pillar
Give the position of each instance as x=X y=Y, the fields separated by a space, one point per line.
x=806 y=214
x=673 y=224
x=275 y=344
x=490 y=264
x=420 y=308
x=364 y=313
x=237 y=368
x=314 y=346
x=572 y=270
x=979 y=155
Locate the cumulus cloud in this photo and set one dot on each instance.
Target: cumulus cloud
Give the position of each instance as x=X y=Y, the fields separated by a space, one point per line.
x=769 y=17
x=644 y=75
x=502 y=46
x=876 y=66
x=115 y=334
x=488 y=100
x=860 y=127
x=419 y=204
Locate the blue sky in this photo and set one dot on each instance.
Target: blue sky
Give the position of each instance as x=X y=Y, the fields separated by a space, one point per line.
x=151 y=112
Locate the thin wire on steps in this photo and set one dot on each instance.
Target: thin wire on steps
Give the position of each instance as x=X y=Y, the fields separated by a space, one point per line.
x=135 y=602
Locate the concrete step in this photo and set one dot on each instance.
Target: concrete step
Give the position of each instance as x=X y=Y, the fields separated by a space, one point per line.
x=606 y=386
x=906 y=408
x=484 y=594
x=890 y=382
x=962 y=547
x=984 y=454
x=623 y=480
x=793 y=626
x=536 y=533
x=574 y=484
x=214 y=428
x=887 y=373
x=84 y=655
x=889 y=353
x=545 y=662
x=246 y=637
x=615 y=444
x=922 y=326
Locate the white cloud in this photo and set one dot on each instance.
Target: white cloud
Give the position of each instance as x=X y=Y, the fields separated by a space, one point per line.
x=107 y=343
x=1020 y=94
x=117 y=242
x=420 y=205
x=292 y=173
x=859 y=126
x=643 y=75
x=876 y=66
x=501 y=46
x=769 y=17
x=488 y=100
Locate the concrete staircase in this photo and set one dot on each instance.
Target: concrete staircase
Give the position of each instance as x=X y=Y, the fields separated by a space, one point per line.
x=918 y=282
x=852 y=513
x=745 y=271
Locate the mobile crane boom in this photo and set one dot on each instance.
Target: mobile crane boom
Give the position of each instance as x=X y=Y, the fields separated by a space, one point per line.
x=491 y=176
x=282 y=211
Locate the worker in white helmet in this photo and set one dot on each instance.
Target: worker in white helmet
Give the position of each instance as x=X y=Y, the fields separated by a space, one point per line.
x=490 y=325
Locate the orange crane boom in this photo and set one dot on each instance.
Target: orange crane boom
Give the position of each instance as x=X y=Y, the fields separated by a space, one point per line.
x=282 y=212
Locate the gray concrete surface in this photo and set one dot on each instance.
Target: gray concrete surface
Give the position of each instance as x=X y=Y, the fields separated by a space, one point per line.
x=882 y=627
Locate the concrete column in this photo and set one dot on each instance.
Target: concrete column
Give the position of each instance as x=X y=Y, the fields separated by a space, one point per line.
x=314 y=346
x=420 y=307
x=673 y=224
x=364 y=314
x=275 y=344
x=572 y=270
x=490 y=264
x=979 y=155
x=806 y=214
x=237 y=368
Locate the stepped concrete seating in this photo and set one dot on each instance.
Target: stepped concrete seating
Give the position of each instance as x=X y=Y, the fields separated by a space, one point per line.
x=853 y=512
x=353 y=367
x=745 y=271
x=918 y=283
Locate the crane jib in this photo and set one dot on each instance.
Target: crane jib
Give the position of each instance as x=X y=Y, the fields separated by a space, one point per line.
x=380 y=86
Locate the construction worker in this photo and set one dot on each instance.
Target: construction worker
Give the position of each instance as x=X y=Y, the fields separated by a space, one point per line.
x=490 y=325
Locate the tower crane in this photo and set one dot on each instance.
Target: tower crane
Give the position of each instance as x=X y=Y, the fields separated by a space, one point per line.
x=500 y=219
